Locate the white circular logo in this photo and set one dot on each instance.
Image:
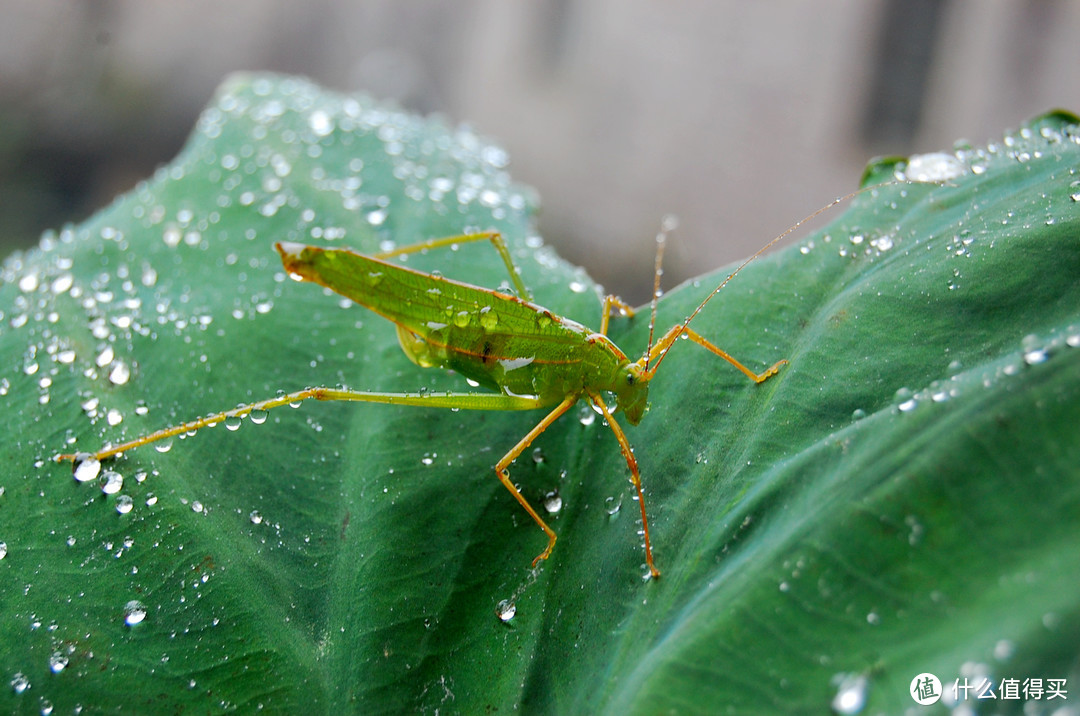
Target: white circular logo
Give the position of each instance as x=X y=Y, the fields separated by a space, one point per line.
x=925 y=689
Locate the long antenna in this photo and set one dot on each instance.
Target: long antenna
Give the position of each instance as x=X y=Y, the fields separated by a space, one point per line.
x=668 y=224
x=759 y=252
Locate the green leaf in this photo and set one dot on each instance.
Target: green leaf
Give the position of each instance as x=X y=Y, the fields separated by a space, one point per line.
x=901 y=498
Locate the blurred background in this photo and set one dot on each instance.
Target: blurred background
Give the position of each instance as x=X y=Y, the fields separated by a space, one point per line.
x=738 y=117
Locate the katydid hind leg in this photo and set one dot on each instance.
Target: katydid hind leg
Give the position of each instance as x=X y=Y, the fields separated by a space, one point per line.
x=460 y=401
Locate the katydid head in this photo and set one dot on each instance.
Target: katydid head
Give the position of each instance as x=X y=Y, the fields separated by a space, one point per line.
x=632 y=391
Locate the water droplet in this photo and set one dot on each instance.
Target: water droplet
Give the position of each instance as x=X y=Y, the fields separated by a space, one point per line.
x=850 y=694
x=553 y=502
x=134 y=613
x=258 y=417
x=488 y=318
x=506 y=610
x=882 y=243
x=461 y=319
x=1004 y=650
x=233 y=422
x=612 y=505
x=3 y=550
x=163 y=445
x=111 y=482
x=932 y=167
x=1035 y=356
x=120 y=373
x=124 y=504
x=19 y=683
x=87 y=467
x=321 y=123
x=57 y=662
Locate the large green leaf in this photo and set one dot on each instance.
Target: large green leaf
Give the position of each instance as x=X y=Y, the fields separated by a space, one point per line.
x=902 y=498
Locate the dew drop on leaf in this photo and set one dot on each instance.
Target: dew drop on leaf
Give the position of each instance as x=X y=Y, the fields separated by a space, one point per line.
x=87 y=467
x=506 y=610
x=134 y=613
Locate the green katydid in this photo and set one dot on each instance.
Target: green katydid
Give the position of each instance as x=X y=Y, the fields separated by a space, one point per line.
x=529 y=356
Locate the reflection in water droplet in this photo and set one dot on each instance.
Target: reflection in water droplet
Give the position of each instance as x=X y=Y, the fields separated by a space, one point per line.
x=87 y=467
x=488 y=318
x=120 y=373
x=612 y=505
x=111 y=482
x=232 y=423
x=932 y=167
x=505 y=610
x=1035 y=356
x=57 y=662
x=255 y=517
x=19 y=683
x=124 y=504
x=553 y=502
x=134 y=613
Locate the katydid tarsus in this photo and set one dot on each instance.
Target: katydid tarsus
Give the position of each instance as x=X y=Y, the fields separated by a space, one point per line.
x=530 y=357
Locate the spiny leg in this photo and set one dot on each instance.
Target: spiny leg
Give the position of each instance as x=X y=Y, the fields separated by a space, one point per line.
x=462 y=401
x=494 y=237
x=504 y=476
x=635 y=475
x=658 y=351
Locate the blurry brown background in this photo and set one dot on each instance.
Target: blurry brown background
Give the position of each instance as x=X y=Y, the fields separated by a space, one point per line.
x=739 y=117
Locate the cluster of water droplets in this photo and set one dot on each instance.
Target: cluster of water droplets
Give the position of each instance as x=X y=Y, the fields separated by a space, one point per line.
x=88 y=296
x=1032 y=351
x=249 y=146
x=944 y=168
